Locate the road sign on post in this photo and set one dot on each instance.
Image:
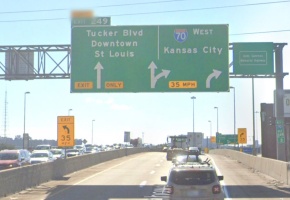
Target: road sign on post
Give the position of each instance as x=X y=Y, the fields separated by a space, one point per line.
x=226 y=139
x=212 y=139
x=280 y=131
x=242 y=135
x=65 y=131
x=178 y=58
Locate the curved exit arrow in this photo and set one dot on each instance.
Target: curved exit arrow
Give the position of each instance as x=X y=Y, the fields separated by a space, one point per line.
x=66 y=128
x=154 y=78
x=215 y=74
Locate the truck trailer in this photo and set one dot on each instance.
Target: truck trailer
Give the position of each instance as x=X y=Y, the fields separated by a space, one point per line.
x=194 y=139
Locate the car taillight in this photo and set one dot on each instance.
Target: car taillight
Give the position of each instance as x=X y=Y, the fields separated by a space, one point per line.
x=169 y=189
x=216 y=189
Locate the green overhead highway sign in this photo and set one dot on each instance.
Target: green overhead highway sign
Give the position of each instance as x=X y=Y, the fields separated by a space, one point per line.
x=253 y=58
x=176 y=58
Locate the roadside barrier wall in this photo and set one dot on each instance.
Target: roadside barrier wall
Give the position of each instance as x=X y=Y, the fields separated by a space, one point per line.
x=277 y=169
x=18 y=179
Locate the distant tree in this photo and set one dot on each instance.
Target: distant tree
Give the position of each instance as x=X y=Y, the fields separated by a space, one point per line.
x=18 y=137
x=6 y=146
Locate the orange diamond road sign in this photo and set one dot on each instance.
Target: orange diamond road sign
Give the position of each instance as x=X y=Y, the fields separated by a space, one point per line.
x=65 y=131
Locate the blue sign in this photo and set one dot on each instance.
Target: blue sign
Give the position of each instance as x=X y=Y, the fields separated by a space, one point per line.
x=180 y=35
x=248 y=150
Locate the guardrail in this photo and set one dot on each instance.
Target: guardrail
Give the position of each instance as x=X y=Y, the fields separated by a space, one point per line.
x=277 y=169
x=18 y=179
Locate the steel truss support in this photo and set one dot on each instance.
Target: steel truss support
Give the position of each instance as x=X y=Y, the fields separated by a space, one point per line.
x=54 y=62
x=47 y=62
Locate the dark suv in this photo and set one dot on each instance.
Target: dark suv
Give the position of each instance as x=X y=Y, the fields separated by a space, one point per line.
x=14 y=158
x=193 y=182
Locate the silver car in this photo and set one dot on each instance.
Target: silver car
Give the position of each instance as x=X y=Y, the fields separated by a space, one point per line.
x=193 y=182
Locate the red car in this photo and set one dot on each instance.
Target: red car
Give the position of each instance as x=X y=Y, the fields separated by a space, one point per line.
x=14 y=158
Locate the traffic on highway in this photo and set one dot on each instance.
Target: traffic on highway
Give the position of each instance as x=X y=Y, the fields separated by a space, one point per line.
x=145 y=100
x=149 y=175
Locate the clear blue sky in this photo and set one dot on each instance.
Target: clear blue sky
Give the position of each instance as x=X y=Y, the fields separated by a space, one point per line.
x=154 y=114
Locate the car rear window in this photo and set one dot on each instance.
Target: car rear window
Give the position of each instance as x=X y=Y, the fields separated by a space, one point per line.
x=8 y=156
x=192 y=177
x=187 y=158
x=72 y=150
x=43 y=147
x=56 y=152
x=39 y=155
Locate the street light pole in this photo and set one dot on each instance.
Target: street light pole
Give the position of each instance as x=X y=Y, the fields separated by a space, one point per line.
x=209 y=132
x=209 y=128
x=234 y=113
x=93 y=131
x=24 y=115
x=69 y=111
x=193 y=97
x=217 y=124
x=254 y=132
x=257 y=112
x=217 y=119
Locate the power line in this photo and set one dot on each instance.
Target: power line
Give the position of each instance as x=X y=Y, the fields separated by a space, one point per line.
x=199 y=9
x=141 y=3
x=146 y=13
x=34 y=20
x=104 y=6
x=260 y=32
x=31 y=11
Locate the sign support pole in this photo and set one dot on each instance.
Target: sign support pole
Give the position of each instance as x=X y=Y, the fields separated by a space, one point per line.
x=279 y=109
x=254 y=128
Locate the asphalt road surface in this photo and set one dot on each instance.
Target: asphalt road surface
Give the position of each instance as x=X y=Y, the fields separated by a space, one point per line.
x=137 y=177
x=243 y=183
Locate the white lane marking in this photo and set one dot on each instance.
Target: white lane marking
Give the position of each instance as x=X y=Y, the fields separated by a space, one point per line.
x=143 y=183
x=152 y=172
x=223 y=182
x=92 y=176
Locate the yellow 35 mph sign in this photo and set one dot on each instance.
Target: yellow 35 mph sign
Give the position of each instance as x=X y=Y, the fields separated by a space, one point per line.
x=242 y=135
x=65 y=131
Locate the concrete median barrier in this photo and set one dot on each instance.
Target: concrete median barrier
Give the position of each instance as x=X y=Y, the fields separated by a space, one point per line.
x=18 y=179
x=277 y=169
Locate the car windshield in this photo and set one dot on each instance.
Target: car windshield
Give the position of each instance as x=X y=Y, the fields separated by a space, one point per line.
x=39 y=155
x=8 y=156
x=191 y=177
